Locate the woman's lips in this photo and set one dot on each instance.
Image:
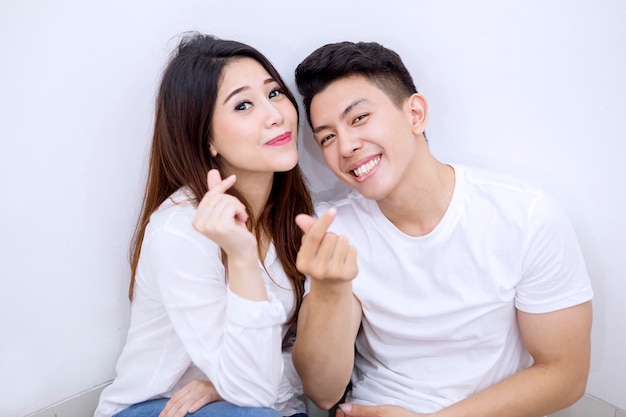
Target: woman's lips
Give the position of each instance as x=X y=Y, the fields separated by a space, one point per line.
x=280 y=140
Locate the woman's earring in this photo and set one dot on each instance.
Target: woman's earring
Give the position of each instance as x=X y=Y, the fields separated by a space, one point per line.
x=212 y=151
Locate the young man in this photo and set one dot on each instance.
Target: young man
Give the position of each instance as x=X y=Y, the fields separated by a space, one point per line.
x=471 y=296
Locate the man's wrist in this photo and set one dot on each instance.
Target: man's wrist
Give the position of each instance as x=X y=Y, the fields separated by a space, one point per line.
x=334 y=289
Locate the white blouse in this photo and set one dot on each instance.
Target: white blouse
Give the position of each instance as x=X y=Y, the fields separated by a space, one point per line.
x=186 y=324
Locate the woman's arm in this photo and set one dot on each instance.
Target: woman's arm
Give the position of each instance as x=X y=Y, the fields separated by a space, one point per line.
x=190 y=399
x=232 y=333
x=234 y=341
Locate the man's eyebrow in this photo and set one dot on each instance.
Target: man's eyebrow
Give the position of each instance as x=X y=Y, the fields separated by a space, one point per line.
x=245 y=87
x=343 y=114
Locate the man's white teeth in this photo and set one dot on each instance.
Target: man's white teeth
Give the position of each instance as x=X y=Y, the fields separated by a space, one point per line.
x=366 y=167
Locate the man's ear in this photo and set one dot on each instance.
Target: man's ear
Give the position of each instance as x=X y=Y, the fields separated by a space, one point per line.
x=419 y=112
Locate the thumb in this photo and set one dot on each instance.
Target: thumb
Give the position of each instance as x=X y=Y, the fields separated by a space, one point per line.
x=356 y=410
x=304 y=222
x=214 y=181
x=213 y=178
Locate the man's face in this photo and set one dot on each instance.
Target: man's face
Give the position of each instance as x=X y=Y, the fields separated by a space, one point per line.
x=366 y=140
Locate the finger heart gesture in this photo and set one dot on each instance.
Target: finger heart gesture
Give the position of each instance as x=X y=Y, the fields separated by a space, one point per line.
x=324 y=255
x=222 y=217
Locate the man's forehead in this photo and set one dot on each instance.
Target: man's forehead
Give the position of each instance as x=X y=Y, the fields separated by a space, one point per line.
x=342 y=96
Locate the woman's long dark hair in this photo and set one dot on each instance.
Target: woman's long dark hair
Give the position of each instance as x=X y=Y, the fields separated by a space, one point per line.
x=180 y=154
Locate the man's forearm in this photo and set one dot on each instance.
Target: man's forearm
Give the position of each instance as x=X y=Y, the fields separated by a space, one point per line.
x=324 y=349
x=534 y=392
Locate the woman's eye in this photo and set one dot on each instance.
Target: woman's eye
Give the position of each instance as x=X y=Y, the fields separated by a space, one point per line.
x=275 y=93
x=243 y=106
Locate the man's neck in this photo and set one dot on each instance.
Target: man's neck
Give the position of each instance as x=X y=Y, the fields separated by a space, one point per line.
x=417 y=206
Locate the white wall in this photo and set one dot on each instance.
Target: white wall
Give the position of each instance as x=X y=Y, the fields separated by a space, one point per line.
x=533 y=88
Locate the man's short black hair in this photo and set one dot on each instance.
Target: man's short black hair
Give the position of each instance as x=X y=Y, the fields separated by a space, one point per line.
x=378 y=64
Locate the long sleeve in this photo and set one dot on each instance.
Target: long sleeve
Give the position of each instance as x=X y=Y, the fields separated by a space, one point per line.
x=235 y=342
x=186 y=324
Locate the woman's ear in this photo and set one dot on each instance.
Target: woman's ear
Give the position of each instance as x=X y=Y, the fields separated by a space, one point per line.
x=419 y=112
x=212 y=150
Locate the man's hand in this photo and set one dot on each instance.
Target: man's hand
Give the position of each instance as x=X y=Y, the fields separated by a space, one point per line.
x=330 y=316
x=190 y=399
x=357 y=410
x=324 y=255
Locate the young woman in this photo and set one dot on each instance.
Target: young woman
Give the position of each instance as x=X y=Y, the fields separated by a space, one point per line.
x=214 y=287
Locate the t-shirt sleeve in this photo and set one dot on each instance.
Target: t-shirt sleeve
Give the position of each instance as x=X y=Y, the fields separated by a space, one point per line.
x=554 y=275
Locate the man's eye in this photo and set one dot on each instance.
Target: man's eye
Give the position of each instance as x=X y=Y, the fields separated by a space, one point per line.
x=326 y=138
x=243 y=106
x=359 y=118
x=275 y=93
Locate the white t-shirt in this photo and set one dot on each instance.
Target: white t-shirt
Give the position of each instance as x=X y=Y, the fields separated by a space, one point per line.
x=186 y=324
x=439 y=311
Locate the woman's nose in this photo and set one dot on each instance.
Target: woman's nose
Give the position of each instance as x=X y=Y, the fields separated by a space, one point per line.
x=275 y=115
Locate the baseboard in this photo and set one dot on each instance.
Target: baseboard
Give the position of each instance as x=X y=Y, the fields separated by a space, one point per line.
x=80 y=405
x=589 y=406
x=84 y=404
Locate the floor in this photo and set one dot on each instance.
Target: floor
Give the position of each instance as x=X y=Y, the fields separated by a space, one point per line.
x=83 y=405
x=586 y=407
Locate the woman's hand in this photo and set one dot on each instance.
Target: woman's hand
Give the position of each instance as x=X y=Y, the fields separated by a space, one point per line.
x=190 y=399
x=222 y=217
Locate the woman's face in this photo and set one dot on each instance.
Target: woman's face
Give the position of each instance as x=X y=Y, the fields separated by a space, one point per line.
x=255 y=126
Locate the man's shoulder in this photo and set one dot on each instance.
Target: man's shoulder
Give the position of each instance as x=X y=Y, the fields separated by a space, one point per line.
x=511 y=196
x=498 y=186
x=349 y=200
x=487 y=177
x=353 y=209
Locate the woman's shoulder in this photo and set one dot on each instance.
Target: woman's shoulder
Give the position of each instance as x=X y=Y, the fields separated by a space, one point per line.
x=178 y=205
x=174 y=218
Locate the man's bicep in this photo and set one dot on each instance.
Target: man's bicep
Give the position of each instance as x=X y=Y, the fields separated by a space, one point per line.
x=357 y=316
x=561 y=337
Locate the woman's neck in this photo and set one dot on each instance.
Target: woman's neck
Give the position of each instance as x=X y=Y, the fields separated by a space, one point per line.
x=256 y=190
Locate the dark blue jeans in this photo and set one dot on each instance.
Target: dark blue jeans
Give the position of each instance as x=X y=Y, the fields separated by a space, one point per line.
x=153 y=408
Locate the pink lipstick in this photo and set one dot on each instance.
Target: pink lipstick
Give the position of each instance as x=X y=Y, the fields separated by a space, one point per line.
x=280 y=140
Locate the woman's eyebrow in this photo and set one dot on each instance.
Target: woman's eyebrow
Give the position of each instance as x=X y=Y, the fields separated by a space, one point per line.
x=236 y=91
x=245 y=87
